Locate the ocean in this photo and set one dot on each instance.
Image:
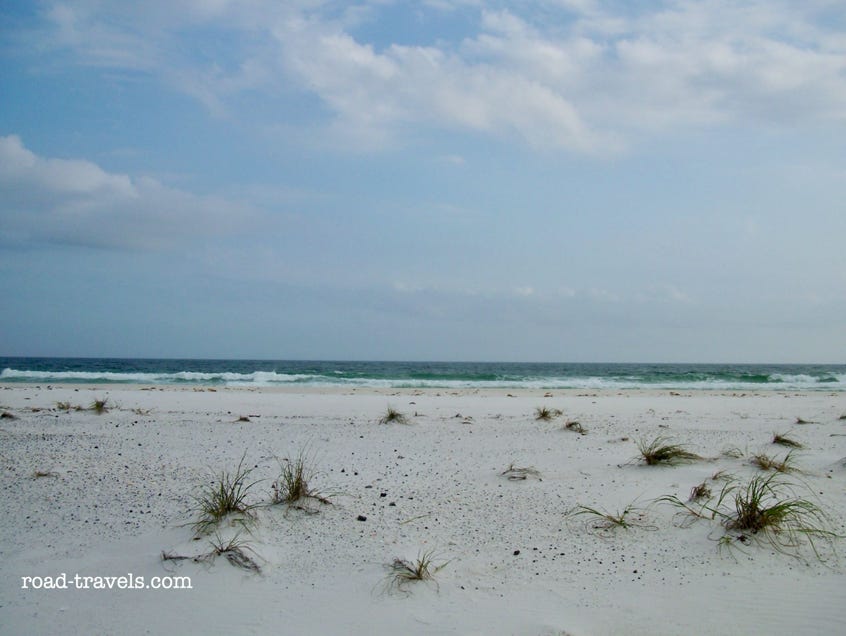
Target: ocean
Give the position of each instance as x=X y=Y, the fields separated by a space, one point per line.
x=446 y=375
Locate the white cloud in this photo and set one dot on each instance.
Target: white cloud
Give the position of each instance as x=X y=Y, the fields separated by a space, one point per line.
x=574 y=74
x=62 y=176
x=101 y=42
x=73 y=201
x=374 y=94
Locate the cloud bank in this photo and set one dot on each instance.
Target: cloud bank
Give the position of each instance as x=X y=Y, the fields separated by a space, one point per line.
x=587 y=77
x=75 y=202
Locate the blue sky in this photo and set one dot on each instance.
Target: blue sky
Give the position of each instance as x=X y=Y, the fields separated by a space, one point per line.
x=561 y=180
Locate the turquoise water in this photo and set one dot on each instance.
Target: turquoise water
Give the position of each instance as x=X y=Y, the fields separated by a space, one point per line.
x=423 y=374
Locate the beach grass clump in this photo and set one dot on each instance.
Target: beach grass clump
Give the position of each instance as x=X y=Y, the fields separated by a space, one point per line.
x=690 y=511
x=699 y=492
x=766 y=509
x=687 y=512
x=547 y=414
x=660 y=452
x=403 y=572
x=393 y=416
x=543 y=413
x=99 y=406
x=517 y=473
x=602 y=520
x=292 y=486
x=67 y=406
x=784 y=439
x=786 y=464
x=576 y=427
x=225 y=496
x=235 y=550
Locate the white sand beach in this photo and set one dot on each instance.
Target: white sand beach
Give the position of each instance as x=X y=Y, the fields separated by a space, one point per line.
x=104 y=495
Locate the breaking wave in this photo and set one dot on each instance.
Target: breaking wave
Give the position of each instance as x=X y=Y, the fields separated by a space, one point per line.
x=424 y=374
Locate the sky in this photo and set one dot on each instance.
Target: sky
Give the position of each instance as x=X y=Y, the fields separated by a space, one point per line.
x=558 y=180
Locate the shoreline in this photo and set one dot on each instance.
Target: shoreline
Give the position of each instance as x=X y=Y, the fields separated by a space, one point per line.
x=448 y=376
x=330 y=389
x=118 y=490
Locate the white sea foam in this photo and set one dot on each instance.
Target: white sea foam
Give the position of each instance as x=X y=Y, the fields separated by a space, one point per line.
x=79 y=376
x=776 y=381
x=804 y=379
x=256 y=377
